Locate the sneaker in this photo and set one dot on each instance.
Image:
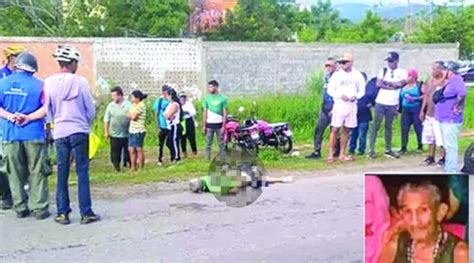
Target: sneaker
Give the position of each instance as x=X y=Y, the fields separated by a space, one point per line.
x=402 y=151
x=89 y=219
x=429 y=161
x=23 y=214
x=62 y=219
x=160 y=163
x=314 y=155
x=441 y=162
x=372 y=155
x=41 y=215
x=391 y=154
x=6 y=205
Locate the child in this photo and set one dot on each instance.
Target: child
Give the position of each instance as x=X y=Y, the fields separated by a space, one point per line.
x=189 y=127
x=137 y=115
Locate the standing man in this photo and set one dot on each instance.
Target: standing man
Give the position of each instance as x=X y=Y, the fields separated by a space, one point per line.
x=10 y=53
x=389 y=82
x=346 y=86
x=214 y=118
x=116 y=128
x=431 y=134
x=21 y=93
x=449 y=111
x=189 y=126
x=326 y=110
x=69 y=100
x=159 y=107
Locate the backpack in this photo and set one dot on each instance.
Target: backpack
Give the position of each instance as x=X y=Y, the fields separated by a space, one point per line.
x=469 y=160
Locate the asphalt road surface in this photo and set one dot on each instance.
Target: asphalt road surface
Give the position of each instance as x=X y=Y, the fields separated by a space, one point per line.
x=318 y=218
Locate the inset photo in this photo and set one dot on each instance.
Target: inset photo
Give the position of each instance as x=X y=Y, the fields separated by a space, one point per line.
x=411 y=218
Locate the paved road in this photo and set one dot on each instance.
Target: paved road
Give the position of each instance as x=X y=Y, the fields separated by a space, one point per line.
x=318 y=218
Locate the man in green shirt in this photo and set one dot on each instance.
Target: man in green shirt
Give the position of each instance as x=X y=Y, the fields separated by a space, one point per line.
x=214 y=118
x=116 y=126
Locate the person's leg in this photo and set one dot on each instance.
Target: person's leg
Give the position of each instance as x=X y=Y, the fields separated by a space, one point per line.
x=221 y=142
x=126 y=154
x=177 y=140
x=405 y=128
x=344 y=140
x=191 y=134
x=162 y=140
x=332 y=142
x=353 y=141
x=132 y=145
x=7 y=202
x=38 y=195
x=183 y=139
x=209 y=138
x=418 y=125
x=450 y=133
x=375 y=128
x=363 y=129
x=391 y=113
x=17 y=174
x=140 y=152
x=63 y=156
x=323 y=122
x=80 y=148
x=170 y=142
x=115 y=152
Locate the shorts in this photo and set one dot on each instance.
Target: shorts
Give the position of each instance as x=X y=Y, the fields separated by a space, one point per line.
x=432 y=132
x=136 y=140
x=344 y=117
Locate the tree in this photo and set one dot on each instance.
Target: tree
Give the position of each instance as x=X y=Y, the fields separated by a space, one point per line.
x=449 y=27
x=326 y=18
x=256 y=20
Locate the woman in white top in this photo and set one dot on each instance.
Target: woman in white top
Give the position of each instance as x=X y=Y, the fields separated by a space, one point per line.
x=174 y=116
x=189 y=129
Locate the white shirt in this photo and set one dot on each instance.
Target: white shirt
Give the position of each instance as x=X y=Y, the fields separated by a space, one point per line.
x=391 y=97
x=189 y=110
x=174 y=120
x=350 y=84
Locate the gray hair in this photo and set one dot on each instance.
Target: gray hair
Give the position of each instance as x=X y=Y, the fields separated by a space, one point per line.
x=426 y=185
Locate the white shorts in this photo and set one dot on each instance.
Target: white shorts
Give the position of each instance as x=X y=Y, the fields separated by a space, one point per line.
x=344 y=117
x=432 y=132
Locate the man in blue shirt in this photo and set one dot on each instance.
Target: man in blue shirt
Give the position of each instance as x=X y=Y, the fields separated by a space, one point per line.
x=10 y=54
x=22 y=94
x=326 y=110
x=159 y=107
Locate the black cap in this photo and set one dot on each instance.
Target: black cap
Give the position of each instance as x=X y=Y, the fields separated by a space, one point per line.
x=453 y=66
x=392 y=56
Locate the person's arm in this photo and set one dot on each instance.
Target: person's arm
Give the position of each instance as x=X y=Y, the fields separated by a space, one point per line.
x=134 y=113
x=424 y=102
x=389 y=249
x=360 y=87
x=332 y=87
x=224 y=120
x=204 y=116
x=107 y=122
x=89 y=106
x=171 y=110
x=461 y=93
x=461 y=253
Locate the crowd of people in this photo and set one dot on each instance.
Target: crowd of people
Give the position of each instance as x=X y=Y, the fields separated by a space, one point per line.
x=434 y=108
x=61 y=109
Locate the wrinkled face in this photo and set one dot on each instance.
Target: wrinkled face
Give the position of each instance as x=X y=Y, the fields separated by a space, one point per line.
x=419 y=214
x=116 y=97
x=330 y=66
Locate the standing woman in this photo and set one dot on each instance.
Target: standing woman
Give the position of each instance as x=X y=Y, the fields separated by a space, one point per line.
x=189 y=113
x=174 y=115
x=411 y=98
x=137 y=115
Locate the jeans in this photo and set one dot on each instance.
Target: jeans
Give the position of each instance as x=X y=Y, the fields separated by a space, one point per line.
x=78 y=145
x=174 y=137
x=323 y=122
x=162 y=139
x=450 y=133
x=389 y=113
x=360 y=134
x=210 y=137
x=117 y=147
x=411 y=116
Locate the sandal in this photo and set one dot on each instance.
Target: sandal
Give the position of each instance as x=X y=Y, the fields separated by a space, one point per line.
x=330 y=160
x=347 y=158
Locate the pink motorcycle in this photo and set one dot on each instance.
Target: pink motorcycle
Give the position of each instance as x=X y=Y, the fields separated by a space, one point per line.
x=276 y=135
x=240 y=136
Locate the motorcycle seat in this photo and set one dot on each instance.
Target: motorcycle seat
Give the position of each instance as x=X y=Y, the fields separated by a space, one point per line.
x=277 y=125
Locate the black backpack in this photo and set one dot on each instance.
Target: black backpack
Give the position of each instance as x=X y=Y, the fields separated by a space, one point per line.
x=469 y=160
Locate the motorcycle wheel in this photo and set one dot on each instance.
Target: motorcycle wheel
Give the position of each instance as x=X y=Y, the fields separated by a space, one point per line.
x=286 y=145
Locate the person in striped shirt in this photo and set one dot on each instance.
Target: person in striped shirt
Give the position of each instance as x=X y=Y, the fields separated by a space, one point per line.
x=137 y=115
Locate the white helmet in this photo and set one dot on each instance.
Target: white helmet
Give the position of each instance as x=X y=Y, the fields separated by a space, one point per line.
x=66 y=54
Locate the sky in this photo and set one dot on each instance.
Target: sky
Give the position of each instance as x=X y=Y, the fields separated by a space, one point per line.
x=388 y=2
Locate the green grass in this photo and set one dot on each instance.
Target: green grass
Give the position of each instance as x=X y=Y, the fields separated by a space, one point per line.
x=300 y=110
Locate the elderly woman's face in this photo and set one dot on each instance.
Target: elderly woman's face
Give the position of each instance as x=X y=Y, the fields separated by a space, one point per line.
x=419 y=214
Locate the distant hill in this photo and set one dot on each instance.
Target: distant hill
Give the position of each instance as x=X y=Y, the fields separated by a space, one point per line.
x=356 y=12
